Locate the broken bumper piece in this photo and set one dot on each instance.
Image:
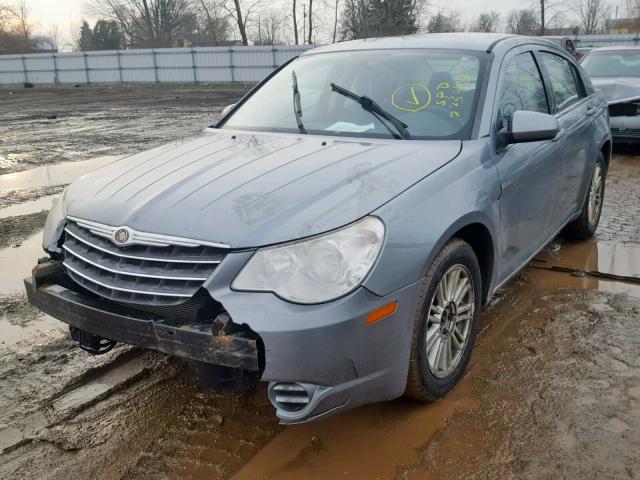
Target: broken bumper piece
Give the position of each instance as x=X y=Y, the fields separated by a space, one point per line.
x=187 y=339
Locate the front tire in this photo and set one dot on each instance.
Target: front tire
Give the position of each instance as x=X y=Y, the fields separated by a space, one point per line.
x=446 y=322
x=586 y=224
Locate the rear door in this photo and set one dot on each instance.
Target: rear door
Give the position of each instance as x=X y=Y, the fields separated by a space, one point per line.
x=530 y=173
x=575 y=113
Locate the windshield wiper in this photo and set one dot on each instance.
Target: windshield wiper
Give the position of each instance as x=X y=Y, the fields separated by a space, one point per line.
x=297 y=106
x=371 y=106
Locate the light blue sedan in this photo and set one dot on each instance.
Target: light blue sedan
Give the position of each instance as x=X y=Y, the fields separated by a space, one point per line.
x=338 y=231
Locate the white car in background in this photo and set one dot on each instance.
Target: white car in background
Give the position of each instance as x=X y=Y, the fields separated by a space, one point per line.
x=616 y=72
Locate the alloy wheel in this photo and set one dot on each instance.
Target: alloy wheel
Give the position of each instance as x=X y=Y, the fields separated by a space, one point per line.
x=449 y=321
x=596 y=194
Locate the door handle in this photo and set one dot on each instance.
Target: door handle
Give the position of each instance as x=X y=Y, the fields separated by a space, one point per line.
x=593 y=110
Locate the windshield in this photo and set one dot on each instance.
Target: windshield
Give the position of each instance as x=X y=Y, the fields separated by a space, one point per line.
x=433 y=93
x=613 y=63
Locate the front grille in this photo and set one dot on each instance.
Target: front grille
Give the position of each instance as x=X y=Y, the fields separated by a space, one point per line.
x=162 y=272
x=626 y=132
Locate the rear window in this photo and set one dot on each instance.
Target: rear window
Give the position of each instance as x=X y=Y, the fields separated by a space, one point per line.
x=563 y=80
x=612 y=63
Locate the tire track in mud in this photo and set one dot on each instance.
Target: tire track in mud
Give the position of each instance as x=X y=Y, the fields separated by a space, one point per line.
x=97 y=120
x=79 y=420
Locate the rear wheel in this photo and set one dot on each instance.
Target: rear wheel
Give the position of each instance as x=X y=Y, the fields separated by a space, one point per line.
x=446 y=322
x=586 y=224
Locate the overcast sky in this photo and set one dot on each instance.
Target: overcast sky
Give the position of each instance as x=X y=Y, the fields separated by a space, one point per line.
x=66 y=14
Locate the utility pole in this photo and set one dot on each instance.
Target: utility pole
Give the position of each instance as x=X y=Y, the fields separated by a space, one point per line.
x=310 y=21
x=295 y=22
x=542 y=27
x=304 y=22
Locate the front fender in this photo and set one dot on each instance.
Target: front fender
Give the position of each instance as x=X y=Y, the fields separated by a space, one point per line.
x=421 y=220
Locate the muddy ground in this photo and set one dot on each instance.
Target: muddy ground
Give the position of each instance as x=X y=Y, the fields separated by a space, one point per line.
x=49 y=125
x=553 y=389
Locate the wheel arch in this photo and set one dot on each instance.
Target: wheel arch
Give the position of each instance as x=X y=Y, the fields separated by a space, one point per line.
x=477 y=230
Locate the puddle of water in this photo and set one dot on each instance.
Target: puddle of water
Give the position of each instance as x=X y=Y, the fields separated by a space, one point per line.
x=539 y=279
x=11 y=335
x=26 y=208
x=57 y=174
x=592 y=256
x=16 y=263
x=358 y=443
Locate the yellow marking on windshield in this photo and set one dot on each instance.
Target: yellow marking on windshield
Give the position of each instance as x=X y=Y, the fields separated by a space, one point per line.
x=411 y=98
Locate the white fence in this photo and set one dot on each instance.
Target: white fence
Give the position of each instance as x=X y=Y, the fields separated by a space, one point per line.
x=167 y=65
x=179 y=65
x=605 y=40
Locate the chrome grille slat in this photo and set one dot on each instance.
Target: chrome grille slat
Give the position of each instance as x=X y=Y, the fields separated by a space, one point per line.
x=109 y=247
x=130 y=273
x=113 y=287
x=136 y=273
x=143 y=238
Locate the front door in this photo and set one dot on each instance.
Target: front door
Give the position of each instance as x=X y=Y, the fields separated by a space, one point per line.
x=530 y=173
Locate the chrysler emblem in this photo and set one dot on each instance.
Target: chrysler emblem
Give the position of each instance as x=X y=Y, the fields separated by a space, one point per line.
x=121 y=235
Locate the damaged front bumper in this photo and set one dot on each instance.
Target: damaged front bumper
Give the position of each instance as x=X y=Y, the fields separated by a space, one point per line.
x=191 y=340
x=317 y=359
x=625 y=128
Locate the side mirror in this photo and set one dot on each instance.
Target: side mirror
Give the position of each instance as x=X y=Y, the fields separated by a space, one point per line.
x=227 y=109
x=525 y=126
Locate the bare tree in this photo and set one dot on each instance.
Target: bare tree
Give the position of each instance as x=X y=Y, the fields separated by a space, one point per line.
x=549 y=13
x=241 y=19
x=55 y=37
x=270 y=26
x=591 y=13
x=147 y=23
x=215 y=25
x=488 y=22
x=522 y=22
x=445 y=21
x=21 y=13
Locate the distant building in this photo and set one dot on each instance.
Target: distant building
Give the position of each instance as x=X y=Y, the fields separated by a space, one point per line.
x=622 y=25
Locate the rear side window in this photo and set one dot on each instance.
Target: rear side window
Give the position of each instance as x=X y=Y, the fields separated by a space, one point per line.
x=522 y=88
x=563 y=80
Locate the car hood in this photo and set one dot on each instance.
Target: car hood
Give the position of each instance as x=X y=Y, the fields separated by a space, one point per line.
x=253 y=189
x=618 y=90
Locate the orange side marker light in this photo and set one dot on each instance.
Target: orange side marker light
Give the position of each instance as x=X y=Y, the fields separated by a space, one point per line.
x=382 y=312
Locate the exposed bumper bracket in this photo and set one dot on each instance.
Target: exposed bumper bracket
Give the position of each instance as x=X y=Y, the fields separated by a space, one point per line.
x=192 y=340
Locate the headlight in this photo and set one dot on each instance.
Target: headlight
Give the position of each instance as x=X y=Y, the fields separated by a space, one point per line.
x=318 y=269
x=55 y=223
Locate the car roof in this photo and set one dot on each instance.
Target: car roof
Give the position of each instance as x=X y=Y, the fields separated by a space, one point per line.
x=446 y=41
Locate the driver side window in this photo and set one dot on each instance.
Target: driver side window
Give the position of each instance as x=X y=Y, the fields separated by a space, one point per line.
x=522 y=88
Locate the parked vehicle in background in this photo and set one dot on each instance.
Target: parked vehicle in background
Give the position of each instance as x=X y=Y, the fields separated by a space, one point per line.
x=565 y=43
x=616 y=72
x=338 y=231
x=581 y=52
